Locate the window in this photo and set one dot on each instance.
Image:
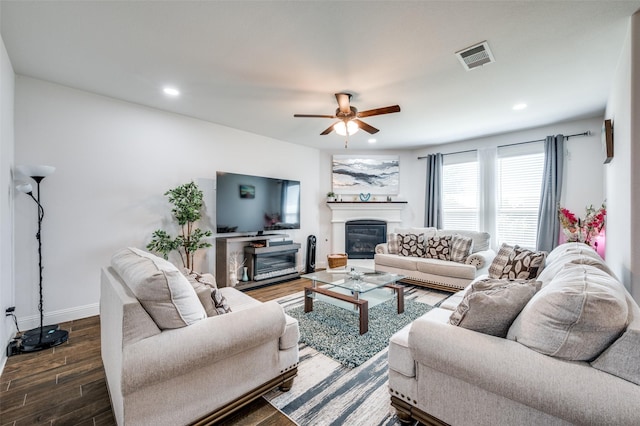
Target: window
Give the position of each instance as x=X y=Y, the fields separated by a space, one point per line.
x=519 y=183
x=494 y=190
x=460 y=201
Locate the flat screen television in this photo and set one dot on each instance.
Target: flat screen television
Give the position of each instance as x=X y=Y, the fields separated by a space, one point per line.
x=255 y=204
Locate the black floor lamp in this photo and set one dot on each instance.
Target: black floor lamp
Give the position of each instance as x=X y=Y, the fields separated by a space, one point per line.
x=43 y=337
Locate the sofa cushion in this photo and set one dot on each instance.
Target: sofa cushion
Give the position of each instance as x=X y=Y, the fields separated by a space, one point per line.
x=500 y=261
x=523 y=264
x=491 y=305
x=575 y=256
x=575 y=317
x=438 y=247
x=411 y=245
x=572 y=247
x=396 y=261
x=622 y=358
x=481 y=240
x=204 y=294
x=210 y=296
x=445 y=268
x=460 y=248
x=163 y=291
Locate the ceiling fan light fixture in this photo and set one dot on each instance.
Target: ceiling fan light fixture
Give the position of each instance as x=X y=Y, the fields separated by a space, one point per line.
x=344 y=127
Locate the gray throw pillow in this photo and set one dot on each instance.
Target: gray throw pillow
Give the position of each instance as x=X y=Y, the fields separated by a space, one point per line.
x=491 y=305
x=438 y=247
x=499 y=262
x=393 y=243
x=411 y=245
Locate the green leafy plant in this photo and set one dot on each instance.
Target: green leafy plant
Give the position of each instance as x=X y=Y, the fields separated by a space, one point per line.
x=187 y=205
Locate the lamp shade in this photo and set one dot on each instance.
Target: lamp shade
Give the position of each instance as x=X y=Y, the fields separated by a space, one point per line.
x=342 y=128
x=25 y=187
x=35 y=170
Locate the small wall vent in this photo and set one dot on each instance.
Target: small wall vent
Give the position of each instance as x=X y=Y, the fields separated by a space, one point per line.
x=475 y=56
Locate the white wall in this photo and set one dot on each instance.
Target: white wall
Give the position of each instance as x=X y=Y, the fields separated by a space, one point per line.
x=7 y=328
x=114 y=161
x=583 y=184
x=622 y=174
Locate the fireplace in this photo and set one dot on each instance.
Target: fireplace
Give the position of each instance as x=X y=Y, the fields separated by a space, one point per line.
x=362 y=236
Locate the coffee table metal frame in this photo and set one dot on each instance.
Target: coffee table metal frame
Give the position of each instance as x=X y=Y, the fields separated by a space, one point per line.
x=360 y=304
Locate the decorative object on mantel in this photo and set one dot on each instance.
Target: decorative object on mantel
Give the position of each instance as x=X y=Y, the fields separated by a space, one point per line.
x=365 y=197
x=43 y=337
x=374 y=174
x=187 y=205
x=331 y=196
x=245 y=275
x=583 y=230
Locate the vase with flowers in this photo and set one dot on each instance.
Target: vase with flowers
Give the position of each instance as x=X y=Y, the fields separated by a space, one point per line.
x=584 y=230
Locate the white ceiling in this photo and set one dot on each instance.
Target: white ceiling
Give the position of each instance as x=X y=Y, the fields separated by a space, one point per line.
x=251 y=65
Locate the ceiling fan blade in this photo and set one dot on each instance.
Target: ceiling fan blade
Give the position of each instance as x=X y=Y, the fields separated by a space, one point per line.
x=328 y=130
x=314 y=115
x=379 y=111
x=367 y=128
x=343 y=102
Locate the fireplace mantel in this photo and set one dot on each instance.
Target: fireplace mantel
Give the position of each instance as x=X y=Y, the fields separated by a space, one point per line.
x=343 y=211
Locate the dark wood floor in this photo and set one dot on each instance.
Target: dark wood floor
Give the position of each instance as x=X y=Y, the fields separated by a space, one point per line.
x=66 y=385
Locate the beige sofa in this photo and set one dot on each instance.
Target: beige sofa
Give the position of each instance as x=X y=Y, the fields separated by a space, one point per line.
x=571 y=356
x=167 y=362
x=435 y=273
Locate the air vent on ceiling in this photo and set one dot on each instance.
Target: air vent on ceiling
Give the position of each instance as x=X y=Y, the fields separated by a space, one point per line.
x=475 y=56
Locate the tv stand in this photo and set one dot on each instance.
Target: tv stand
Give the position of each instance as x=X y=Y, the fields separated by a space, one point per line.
x=265 y=256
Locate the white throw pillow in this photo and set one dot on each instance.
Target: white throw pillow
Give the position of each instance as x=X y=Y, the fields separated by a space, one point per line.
x=163 y=291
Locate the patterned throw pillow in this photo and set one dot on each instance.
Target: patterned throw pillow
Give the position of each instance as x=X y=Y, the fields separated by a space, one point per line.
x=411 y=245
x=523 y=264
x=439 y=247
x=393 y=243
x=501 y=259
x=460 y=248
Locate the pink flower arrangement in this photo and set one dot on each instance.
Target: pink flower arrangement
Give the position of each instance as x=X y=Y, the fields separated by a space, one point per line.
x=582 y=230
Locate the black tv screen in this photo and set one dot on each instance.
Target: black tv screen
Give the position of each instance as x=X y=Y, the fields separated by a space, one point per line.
x=247 y=204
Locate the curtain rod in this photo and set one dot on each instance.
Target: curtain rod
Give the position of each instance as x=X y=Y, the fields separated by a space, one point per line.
x=587 y=133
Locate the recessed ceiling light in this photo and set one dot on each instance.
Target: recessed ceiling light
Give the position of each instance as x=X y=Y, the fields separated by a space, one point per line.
x=171 y=91
x=518 y=107
x=372 y=140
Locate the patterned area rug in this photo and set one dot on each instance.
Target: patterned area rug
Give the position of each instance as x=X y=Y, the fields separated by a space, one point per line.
x=325 y=392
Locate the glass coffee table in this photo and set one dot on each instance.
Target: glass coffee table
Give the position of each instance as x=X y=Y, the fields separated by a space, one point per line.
x=351 y=286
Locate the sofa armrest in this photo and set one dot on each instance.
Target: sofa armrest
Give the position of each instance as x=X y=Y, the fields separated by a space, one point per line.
x=509 y=369
x=481 y=259
x=175 y=352
x=382 y=248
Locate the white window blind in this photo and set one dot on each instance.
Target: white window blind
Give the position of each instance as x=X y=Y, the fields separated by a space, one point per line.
x=519 y=182
x=460 y=192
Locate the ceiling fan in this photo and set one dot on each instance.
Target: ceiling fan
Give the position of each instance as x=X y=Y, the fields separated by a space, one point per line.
x=349 y=117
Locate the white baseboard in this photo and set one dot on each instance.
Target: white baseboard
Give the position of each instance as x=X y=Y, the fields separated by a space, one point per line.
x=57 y=317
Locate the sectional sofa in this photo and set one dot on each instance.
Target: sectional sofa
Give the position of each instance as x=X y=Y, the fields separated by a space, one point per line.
x=560 y=348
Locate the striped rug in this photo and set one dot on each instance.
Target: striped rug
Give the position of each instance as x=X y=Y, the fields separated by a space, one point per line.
x=328 y=393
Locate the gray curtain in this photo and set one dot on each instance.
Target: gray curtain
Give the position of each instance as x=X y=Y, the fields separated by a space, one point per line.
x=548 y=221
x=433 y=196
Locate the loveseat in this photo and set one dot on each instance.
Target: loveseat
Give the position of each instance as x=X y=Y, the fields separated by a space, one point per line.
x=564 y=349
x=467 y=255
x=177 y=350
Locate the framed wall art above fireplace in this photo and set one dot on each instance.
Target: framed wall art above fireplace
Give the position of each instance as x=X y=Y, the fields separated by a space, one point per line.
x=370 y=174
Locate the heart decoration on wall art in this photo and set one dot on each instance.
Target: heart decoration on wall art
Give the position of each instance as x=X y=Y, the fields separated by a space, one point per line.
x=365 y=197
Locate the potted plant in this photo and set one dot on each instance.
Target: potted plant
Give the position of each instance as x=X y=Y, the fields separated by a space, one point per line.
x=187 y=205
x=331 y=196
